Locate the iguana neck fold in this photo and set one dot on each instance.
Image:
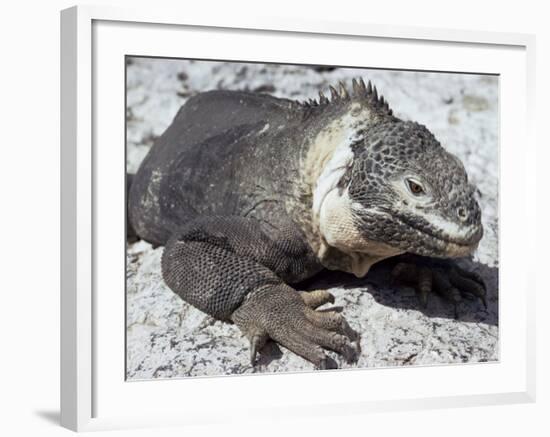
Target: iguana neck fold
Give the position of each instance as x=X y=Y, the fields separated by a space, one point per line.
x=327 y=155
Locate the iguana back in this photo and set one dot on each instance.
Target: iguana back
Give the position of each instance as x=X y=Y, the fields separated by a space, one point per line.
x=225 y=153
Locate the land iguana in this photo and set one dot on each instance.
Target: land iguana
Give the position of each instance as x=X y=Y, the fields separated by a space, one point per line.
x=251 y=194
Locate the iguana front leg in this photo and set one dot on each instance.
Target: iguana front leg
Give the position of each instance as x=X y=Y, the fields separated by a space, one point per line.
x=449 y=281
x=237 y=269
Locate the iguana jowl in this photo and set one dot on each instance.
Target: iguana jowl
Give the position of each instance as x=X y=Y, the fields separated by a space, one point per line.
x=250 y=194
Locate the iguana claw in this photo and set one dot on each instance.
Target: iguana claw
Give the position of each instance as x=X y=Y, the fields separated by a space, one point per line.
x=256 y=343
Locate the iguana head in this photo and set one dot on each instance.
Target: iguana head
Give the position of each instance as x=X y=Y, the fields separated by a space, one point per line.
x=408 y=192
x=395 y=189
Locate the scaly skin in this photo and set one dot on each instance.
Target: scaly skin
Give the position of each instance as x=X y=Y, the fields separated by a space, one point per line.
x=251 y=194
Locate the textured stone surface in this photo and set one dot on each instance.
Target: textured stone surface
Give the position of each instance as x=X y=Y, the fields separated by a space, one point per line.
x=168 y=338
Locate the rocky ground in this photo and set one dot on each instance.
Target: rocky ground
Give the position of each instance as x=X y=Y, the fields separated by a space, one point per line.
x=168 y=338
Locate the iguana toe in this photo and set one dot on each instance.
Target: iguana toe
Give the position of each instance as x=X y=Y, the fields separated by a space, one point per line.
x=304 y=347
x=316 y=298
x=332 y=321
x=332 y=340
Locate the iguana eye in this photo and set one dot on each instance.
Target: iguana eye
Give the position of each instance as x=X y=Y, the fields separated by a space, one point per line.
x=415 y=187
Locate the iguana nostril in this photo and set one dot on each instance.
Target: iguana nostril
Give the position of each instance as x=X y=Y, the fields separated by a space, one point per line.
x=462 y=213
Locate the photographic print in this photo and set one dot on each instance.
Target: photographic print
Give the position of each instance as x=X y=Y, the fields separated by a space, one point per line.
x=285 y=218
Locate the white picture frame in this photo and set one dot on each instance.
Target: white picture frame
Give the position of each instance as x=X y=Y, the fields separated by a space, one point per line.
x=94 y=394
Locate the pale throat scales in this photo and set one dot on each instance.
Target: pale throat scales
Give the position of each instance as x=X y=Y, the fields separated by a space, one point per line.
x=337 y=241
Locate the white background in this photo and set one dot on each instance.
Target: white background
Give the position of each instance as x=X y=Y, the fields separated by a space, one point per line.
x=29 y=322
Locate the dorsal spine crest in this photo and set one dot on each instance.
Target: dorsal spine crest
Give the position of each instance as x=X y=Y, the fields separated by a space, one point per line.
x=361 y=92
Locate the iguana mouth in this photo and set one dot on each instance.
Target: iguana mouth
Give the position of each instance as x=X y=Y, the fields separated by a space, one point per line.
x=456 y=246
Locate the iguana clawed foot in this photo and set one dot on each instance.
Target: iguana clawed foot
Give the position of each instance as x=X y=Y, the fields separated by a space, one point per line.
x=291 y=319
x=450 y=282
